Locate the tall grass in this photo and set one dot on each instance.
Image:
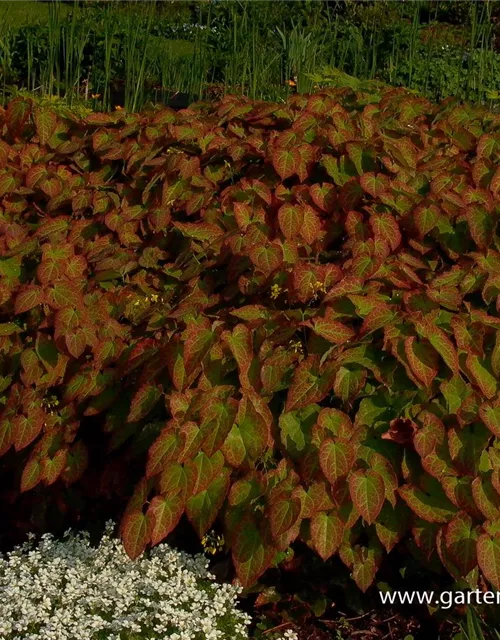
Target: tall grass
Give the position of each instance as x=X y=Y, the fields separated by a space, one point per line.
x=247 y=53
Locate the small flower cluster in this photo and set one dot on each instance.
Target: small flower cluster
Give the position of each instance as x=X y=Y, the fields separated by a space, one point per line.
x=212 y=543
x=68 y=590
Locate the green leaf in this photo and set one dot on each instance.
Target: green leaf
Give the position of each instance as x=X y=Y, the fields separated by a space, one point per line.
x=202 y=508
x=8 y=329
x=143 y=401
x=327 y=530
x=286 y=162
x=490 y=415
x=32 y=474
x=424 y=361
x=165 y=511
x=336 y=459
x=136 y=533
x=482 y=376
x=30 y=297
x=290 y=219
x=310 y=383
x=45 y=123
x=432 y=508
x=367 y=492
x=374 y=184
x=266 y=258
x=252 y=555
x=392 y=524
x=488 y=558
x=284 y=514
x=349 y=382
x=461 y=539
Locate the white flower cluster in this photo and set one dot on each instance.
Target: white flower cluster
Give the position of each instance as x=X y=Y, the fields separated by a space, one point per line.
x=69 y=590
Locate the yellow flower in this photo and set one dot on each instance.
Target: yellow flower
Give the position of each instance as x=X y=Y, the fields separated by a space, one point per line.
x=212 y=543
x=318 y=286
x=296 y=346
x=275 y=291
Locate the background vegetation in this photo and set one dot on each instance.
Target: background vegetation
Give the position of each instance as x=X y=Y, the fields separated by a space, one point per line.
x=128 y=53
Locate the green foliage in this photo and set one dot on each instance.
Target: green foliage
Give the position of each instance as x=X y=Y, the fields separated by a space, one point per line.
x=279 y=320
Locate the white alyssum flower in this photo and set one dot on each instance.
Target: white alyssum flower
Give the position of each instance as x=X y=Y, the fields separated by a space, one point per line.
x=68 y=590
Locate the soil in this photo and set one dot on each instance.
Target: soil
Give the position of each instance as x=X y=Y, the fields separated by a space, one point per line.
x=383 y=624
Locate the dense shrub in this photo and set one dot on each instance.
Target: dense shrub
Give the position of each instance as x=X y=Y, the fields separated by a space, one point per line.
x=284 y=316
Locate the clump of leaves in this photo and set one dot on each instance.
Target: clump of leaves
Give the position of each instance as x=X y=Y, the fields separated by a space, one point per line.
x=293 y=309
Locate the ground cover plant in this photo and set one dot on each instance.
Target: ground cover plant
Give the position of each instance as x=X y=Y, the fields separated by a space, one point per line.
x=277 y=320
x=70 y=589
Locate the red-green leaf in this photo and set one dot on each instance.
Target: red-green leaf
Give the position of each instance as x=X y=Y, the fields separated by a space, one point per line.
x=163 y=449
x=367 y=492
x=29 y=298
x=490 y=415
x=32 y=474
x=482 y=376
x=429 y=508
x=332 y=330
x=374 y=184
x=326 y=533
x=252 y=555
x=336 y=459
x=290 y=218
x=423 y=360
x=461 y=538
x=165 y=511
x=386 y=228
x=284 y=513
x=202 y=508
x=310 y=383
x=266 y=258
x=45 y=123
x=143 y=401
x=136 y=533
x=488 y=558
x=286 y=162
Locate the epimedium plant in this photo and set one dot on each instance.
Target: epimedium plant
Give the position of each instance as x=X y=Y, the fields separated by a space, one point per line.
x=289 y=311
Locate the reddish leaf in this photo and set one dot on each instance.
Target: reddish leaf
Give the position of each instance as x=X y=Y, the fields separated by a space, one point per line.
x=423 y=360
x=252 y=554
x=336 y=459
x=374 y=184
x=367 y=493
x=461 y=538
x=165 y=512
x=326 y=533
x=284 y=514
x=136 y=533
x=291 y=219
x=32 y=474
x=488 y=558
x=29 y=298
x=286 y=162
